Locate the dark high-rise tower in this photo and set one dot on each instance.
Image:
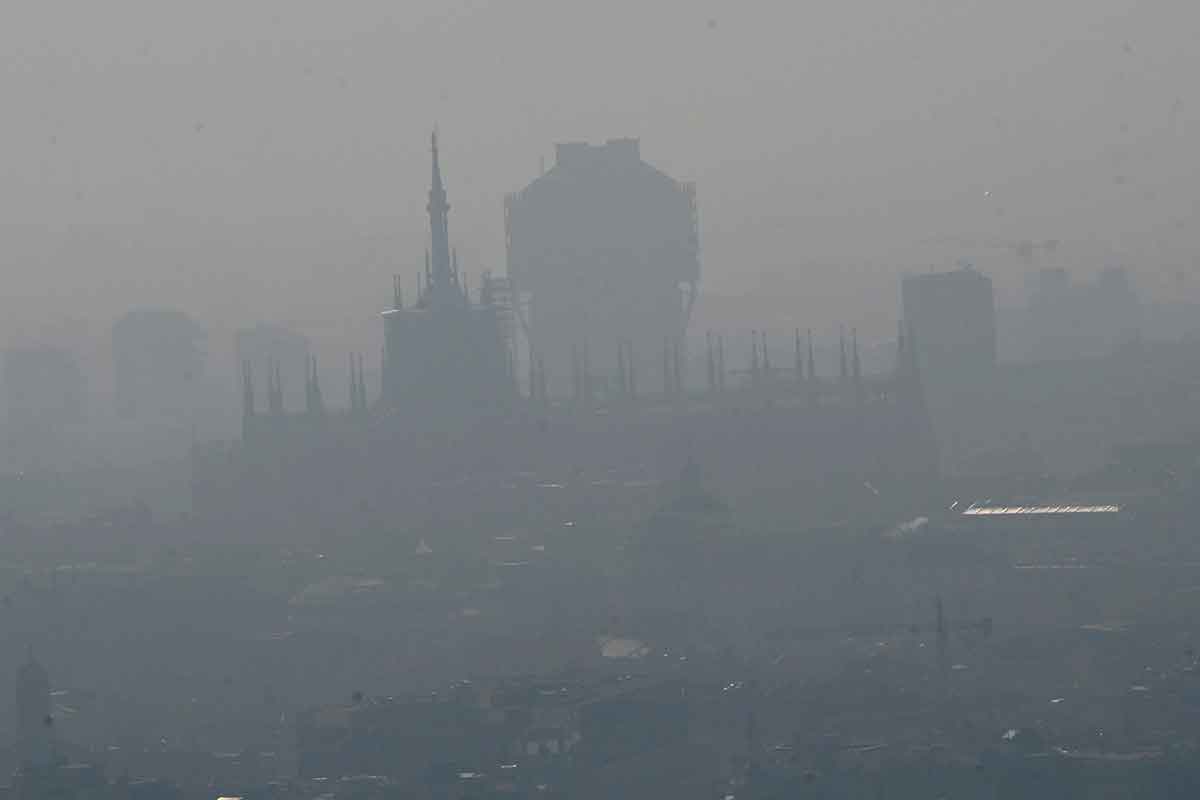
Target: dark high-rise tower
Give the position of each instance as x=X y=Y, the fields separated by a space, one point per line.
x=953 y=317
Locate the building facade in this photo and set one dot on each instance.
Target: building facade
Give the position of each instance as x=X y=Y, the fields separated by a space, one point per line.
x=158 y=364
x=447 y=353
x=605 y=249
x=952 y=317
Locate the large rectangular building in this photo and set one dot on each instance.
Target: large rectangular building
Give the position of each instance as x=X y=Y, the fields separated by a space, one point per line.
x=158 y=363
x=951 y=317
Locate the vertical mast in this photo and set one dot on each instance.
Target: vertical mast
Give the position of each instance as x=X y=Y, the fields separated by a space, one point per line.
x=439 y=229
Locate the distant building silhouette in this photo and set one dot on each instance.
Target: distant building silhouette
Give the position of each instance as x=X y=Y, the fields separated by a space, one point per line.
x=606 y=248
x=158 y=363
x=447 y=352
x=951 y=319
x=450 y=404
x=1066 y=319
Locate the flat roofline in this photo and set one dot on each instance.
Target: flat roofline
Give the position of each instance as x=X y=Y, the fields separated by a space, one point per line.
x=1039 y=510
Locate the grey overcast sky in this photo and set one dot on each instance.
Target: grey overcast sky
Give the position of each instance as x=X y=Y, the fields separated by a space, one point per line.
x=268 y=159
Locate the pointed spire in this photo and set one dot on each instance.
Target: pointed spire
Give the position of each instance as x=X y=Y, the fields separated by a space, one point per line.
x=397 y=293
x=439 y=228
x=435 y=182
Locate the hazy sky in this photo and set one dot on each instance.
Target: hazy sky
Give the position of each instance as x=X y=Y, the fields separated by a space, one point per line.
x=268 y=159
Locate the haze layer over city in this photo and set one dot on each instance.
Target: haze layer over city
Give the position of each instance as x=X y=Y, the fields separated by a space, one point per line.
x=551 y=399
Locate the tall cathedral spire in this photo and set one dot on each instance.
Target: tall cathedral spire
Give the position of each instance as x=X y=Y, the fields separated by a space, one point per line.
x=441 y=274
